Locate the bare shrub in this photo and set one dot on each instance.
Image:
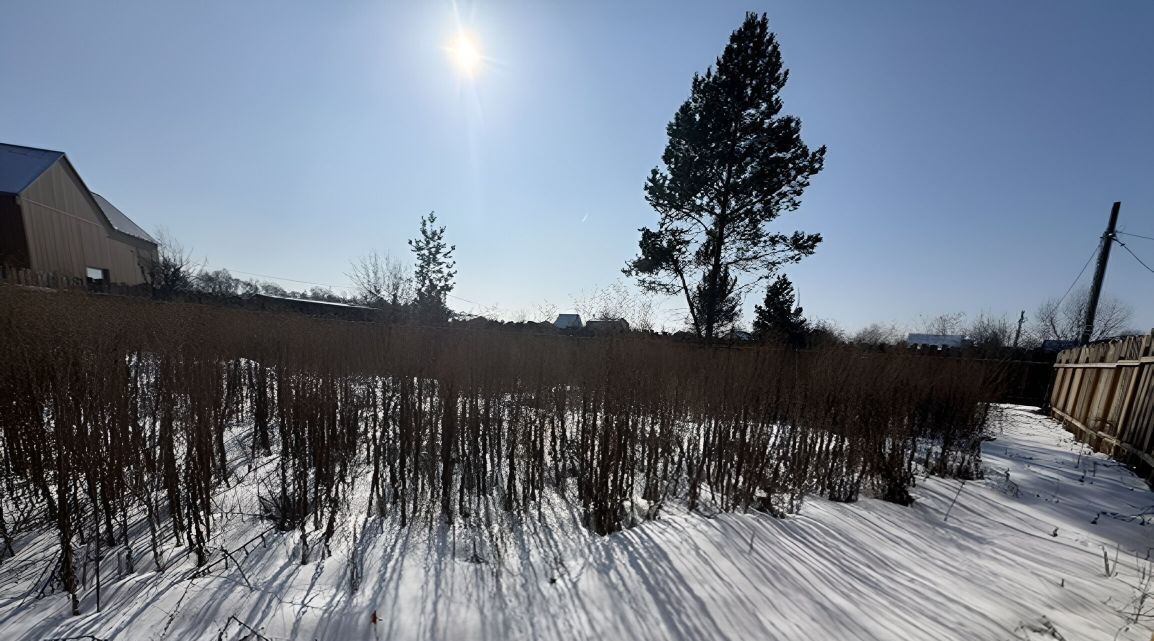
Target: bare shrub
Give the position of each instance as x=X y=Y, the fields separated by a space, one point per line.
x=382 y=280
x=117 y=405
x=174 y=269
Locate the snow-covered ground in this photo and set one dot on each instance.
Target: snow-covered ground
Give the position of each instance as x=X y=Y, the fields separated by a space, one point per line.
x=1020 y=556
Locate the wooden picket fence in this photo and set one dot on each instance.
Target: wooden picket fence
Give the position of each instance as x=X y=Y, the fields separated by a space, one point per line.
x=50 y=280
x=1104 y=393
x=47 y=280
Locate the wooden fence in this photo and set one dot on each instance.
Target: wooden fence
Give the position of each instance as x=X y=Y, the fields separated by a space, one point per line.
x=50 y=280
x=1104 y=393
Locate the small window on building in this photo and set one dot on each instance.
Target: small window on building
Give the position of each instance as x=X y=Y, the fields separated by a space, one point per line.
x=97 y=279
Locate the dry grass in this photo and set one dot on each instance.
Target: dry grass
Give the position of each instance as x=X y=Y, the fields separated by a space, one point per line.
x=115 y=405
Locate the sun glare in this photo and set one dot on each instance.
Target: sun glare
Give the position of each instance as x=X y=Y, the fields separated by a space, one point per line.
x=465 y=54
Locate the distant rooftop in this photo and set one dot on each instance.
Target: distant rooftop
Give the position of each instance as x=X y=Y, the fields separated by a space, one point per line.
x=568 y=321
x=936 y=340
x=311 y=301
x=1057 y=345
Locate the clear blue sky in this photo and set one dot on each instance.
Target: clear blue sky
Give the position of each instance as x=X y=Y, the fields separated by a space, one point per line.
x=975 y=148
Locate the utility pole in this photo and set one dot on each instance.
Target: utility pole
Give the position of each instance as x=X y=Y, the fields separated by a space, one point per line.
x=1018 y=334
x=1099 y=276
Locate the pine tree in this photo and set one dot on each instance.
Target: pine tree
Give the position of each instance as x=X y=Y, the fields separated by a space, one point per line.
x=776 y=319
x=728 y=308
x=434 y=272
x=733 y=164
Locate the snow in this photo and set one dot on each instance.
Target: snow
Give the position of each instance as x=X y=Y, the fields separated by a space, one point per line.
x=1020 y=556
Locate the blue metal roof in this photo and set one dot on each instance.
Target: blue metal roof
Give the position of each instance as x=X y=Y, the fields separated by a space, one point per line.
x=20 y=166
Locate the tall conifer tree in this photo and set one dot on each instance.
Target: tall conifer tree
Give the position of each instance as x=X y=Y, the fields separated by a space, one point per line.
x=732 y=165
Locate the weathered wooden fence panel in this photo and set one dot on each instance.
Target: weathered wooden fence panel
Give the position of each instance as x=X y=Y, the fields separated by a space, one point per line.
x=1104 y=393
x=50 y=280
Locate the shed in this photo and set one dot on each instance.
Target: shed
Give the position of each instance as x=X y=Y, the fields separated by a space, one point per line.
x=568 y=321
x=608 y=326
x=1055 y=345
x=940 y=341
x=51 y=222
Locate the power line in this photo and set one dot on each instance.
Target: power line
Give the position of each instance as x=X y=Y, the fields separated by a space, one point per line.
x=291 y=280
x=1079 y=276
x=329 y=285
x=1126 y=233
x=1140 y=261
x=465 y=300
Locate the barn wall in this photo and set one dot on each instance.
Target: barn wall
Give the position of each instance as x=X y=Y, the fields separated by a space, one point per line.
x=67 y=233
x=131 y=255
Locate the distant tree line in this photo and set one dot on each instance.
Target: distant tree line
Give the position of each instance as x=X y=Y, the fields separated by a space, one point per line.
x=176 y=273
x=383 y=282
x=1055 y=319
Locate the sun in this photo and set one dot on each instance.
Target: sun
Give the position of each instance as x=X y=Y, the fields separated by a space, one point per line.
x=465 y=54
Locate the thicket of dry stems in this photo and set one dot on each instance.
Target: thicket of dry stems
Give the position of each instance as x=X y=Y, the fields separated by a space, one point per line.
x=116 y=407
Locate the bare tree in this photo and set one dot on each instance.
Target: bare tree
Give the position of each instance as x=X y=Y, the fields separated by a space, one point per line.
x=221 y=283
x=944 y=323
x=991 y=331
x=1058 y=319
x=824 y=332
x=271 y=289
x=617 y=300
x=173 y=269
x=877 y=334
x=322 y=294
x=546 y=312
x=382 y=280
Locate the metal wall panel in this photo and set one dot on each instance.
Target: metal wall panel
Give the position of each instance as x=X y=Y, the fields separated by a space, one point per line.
x=67 y=233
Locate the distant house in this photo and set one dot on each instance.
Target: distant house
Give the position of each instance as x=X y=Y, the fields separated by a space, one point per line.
x=50 y=222
x=608 y=326
x=1055 y=346
x=938 y=341
x=738 y=335
x=568 y=321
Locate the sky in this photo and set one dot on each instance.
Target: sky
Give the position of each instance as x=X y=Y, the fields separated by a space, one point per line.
x=974 y=148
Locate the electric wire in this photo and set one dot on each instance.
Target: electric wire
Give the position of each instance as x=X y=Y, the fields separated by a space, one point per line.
x=1079 y=276
x=329 y=285
x=1140 y=261
x=1126 y=233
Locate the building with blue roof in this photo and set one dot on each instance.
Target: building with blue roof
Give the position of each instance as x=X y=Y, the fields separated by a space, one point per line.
x=51 y=223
